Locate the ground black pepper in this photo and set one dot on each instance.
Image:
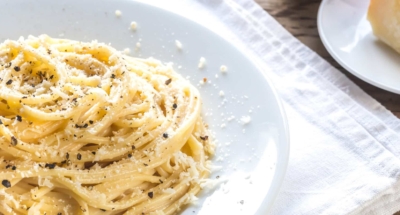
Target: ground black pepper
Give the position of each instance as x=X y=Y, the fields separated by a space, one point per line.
x=17 y=69
x=168 y=81
x=150 y=194
x=19 y=118
x=79 y=156
x=81 y=126
x=14 y=141
x=174 y=106
x=165 y=135
x=6 y=183
x=50 y=165
x=204 y=138
x=9 y=82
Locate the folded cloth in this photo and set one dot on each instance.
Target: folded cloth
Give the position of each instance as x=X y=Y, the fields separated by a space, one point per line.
x=344 y=145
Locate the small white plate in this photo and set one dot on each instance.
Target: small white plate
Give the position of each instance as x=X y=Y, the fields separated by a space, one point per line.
x=252 y=157
x=348 y=37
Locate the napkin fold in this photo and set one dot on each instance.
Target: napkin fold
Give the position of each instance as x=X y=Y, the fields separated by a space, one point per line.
x=345 y=146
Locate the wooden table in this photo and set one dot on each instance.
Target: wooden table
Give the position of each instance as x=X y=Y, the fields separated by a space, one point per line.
x=299 y=17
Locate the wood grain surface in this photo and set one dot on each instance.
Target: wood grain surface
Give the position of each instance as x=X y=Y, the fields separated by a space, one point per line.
x=299 y=17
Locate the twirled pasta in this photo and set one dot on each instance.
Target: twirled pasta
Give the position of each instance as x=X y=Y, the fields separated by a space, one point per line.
x=87 y=130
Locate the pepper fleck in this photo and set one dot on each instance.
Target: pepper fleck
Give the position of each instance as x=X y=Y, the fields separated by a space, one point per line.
x=204 y=138
x=81 y=126
x=1 y=122
x=129 y=155
x=8 y=166
x=161 y=181
x=103 y=210
x=14 y=168
x=9 y=82
x=6 y=183
x=113 y=76
x=17 y=69
x=50 y=165
x=94 y=153
x=168 y=81
x=19 y=118
x=165 y=135
x=91 y=121
x=79 y=156
x=14 y=141
x=67 y=155
x=174 y=106
x=133 y=147
x=150 y=194
x=59 y=213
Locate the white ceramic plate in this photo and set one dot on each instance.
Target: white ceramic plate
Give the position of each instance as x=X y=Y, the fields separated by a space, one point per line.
x=252 y=157
x=347 y=35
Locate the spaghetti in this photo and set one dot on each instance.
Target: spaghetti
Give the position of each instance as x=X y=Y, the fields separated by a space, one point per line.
x=87 y=130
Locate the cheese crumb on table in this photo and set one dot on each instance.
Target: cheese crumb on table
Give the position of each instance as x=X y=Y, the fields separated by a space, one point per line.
x=221 y=93
x=118 y=13
x=202 y=62
x=138 y=45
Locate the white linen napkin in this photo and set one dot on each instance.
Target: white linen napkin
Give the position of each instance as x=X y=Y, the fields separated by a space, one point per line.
x=344 y=145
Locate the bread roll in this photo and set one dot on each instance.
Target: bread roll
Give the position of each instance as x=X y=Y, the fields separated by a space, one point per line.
x=384 y=16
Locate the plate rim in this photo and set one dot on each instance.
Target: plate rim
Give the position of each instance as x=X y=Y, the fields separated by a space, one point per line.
x=338 y=59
